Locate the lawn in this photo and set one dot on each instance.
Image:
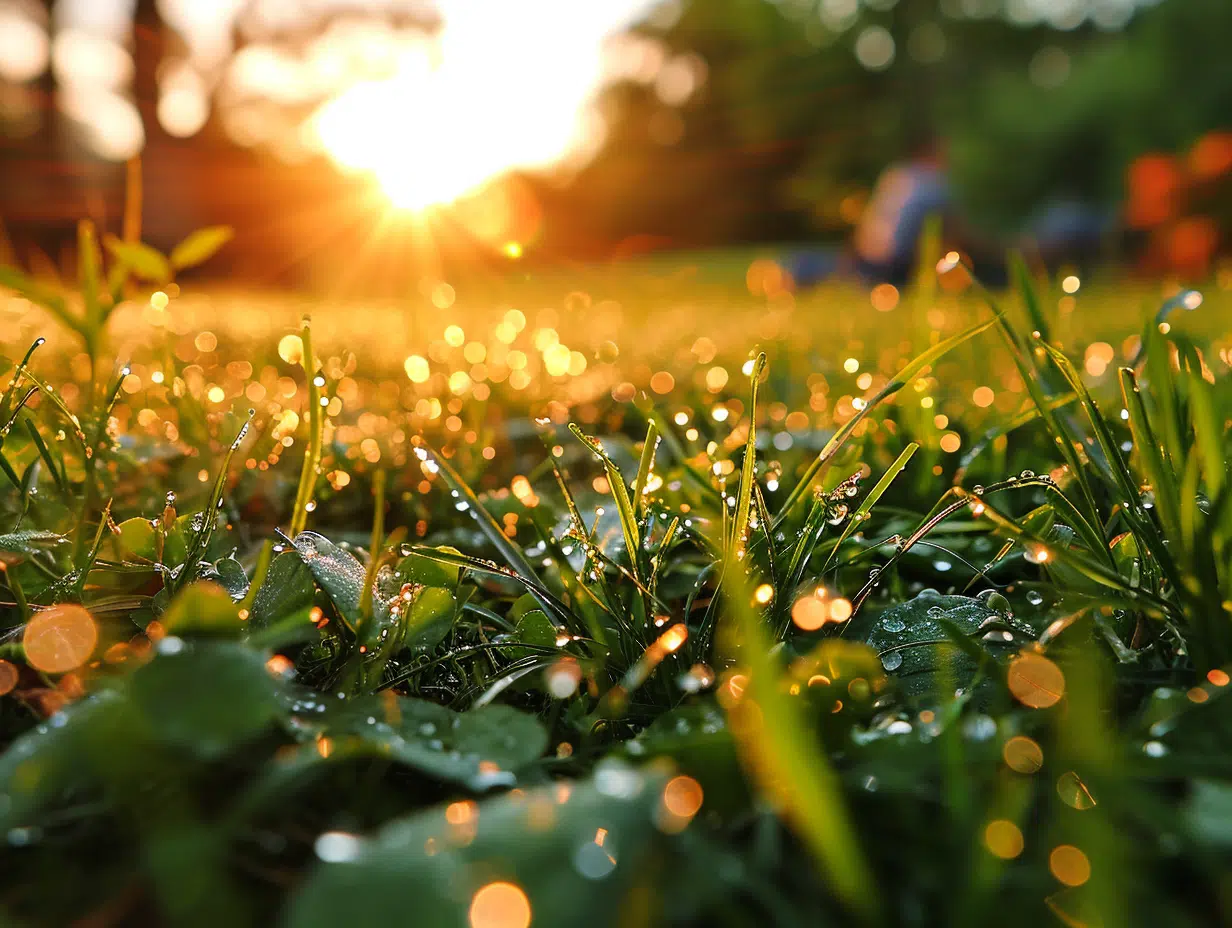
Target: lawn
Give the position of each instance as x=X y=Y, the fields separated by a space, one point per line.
x=661 y=592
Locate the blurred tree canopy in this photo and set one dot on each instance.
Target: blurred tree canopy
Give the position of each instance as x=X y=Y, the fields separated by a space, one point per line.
x=806 y=101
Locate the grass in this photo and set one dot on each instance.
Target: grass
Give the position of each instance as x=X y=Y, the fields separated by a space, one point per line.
x=551 y=602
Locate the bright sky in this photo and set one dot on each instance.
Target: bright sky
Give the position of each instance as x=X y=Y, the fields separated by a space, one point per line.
x=507 y=86
x=504 y=85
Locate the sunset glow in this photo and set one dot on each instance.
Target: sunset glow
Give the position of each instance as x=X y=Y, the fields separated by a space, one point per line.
x=500 y=88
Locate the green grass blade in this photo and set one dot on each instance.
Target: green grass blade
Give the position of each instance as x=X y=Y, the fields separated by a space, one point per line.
x=748 y=466
x=45 y=453
x=200 y=540
x=1124 y=483
x=88 y=262
x=487 y=523
x=1146 y=443
x=871 y=498
x=6 y=403
x=681 y=456
x=1162 y=386
x=620 y=493
x=1021 y=275
x=909 y=373
x=789 y=763
x=645 y=465
x=374 y=544
x=312 y=454
x=1208 y=433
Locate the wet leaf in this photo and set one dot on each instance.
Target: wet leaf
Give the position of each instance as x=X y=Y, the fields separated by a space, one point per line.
x=430 y=618
x=480 y=748
x=915 y=646
x=337 y=572
x=202 y=608
x=287 y=589
x=204 y=699
x=415 y=568
x=571 y=849
x=30 y=541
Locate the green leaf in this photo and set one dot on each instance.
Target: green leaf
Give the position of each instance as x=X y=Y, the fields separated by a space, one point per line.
x=229 y=574
x=748 y=466
x=915 y=644
x=205 y=699
x=573 y=855
x=1207 y=813
x=479 y=749
x=287 y=589
x=200 y=608
x=200 y=246
x=416 y=568
x=30 y=541
x=533 y=627
x=44 y=764
x=430 y=618
x=137 y=539
x=337 y=572
x=145 y=262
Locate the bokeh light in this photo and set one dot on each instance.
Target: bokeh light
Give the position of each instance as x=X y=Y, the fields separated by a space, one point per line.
x=500 y=905
x=60 y=638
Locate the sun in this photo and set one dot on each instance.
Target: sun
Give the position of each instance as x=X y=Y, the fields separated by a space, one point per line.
x=465 y=108
x=398 y=131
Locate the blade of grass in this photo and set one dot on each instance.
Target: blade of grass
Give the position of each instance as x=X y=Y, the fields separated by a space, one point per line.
x=487 y=524
x=88 y=261
x=1149 y=452
x=620 y=493
x=871 y=498
x=200 y=540
x=374 y=545
x=45 y=453
x=6 y=403
x=789 y=764
x=1121 y=475
x=312 y=454
x=645 y=465
x=748 y=466
x=909 y=373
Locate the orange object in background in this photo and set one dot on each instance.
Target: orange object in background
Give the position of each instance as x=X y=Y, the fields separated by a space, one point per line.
x=1155 y=189
x=1176 y=200
x=1211 y=156
x=1191 y=245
